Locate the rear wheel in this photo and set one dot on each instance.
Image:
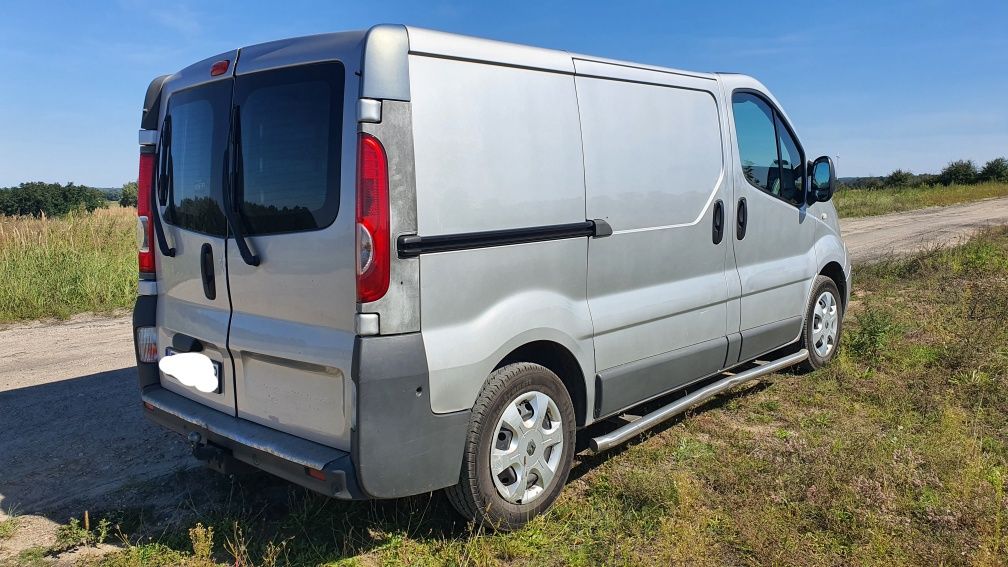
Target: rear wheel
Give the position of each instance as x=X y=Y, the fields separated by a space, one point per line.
x=822 y=325
x=519 y=448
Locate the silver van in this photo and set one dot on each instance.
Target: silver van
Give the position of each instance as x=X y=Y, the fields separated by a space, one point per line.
x=385 y=262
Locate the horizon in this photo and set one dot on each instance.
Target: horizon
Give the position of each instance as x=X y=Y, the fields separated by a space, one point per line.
x=869 y=84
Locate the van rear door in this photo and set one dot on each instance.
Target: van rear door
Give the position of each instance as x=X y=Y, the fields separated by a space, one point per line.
x=292 y=333
x=193 y=306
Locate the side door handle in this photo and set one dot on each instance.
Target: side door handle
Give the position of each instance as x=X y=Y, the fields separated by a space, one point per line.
x=207 y=271
x=717 y=231
x=741 y=219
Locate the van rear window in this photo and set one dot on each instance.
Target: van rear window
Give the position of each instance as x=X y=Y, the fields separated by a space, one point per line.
x=197 y=128
x=291 y=122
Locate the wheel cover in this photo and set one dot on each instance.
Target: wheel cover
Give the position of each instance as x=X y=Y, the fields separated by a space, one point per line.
x=825 y=324
x=527 y=447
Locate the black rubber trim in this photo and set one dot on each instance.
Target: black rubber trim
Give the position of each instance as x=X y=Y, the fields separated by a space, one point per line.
x=635 y=382
x=152 y=104
x=412 y=245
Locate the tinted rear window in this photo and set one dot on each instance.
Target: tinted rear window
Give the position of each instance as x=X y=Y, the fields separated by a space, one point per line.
x=198 y=119
x=291 y=122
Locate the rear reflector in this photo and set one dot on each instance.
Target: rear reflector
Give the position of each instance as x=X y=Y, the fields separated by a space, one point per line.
x=146 y=344
x=149 y=406
x=315 y=473
x=373 y=249
x=219 y=68
x=145 y=228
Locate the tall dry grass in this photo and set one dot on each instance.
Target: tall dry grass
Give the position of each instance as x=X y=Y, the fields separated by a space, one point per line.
x=55 y=267
x=871 y=202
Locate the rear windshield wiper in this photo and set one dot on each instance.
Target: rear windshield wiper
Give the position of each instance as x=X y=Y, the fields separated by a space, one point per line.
x=158 y=196
x=232 y=211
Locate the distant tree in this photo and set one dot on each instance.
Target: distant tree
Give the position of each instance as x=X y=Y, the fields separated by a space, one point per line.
x=128 y=196
x=959 y=172
x=995 y=170
x=53 y=199
x=898 y=178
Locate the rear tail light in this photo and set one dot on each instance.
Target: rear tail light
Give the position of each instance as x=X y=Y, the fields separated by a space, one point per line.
x=373 y=247
x=146 y=344
x=145 y=228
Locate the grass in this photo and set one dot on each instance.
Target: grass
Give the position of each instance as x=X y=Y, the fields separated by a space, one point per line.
x=7 y=527
x=868 y=202
x=895 y=454
x=56 y=267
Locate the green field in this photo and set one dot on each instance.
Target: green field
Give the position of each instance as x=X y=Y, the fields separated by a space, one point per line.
x=870 y=202
x=56 y=267
x=896 y=454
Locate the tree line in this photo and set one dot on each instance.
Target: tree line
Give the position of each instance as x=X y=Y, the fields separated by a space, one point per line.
x=958 y=172
x=37 y=198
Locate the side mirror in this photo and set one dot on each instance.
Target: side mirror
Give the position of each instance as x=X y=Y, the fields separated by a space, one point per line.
x=823 y=179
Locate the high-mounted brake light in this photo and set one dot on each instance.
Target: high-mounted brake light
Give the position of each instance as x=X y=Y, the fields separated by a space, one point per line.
x=145 y=227
x=373 y=249
x=219 y=68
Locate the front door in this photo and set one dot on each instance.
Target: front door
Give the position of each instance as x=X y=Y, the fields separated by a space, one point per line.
x=773 y=232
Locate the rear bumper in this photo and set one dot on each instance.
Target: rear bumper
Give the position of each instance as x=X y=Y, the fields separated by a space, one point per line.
x=399 y=446
x=275 y=452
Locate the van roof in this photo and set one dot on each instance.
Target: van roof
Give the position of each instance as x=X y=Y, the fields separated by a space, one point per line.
x=458 y=46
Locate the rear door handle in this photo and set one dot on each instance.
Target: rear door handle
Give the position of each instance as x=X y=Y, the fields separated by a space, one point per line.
x=717 y=230
x=207 y=271
x=741 y=219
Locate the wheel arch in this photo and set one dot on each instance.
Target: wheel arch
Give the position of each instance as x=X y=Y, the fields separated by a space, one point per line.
x=562 y=362
x=834 y=271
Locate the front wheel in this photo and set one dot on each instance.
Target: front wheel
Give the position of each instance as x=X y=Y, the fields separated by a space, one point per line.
x=519 y=448
x=822 y=325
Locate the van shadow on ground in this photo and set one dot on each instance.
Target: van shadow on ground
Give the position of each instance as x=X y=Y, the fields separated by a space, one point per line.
x=77 y=439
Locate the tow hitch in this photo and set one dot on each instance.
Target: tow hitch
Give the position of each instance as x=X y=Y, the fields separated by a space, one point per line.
x=213 y=456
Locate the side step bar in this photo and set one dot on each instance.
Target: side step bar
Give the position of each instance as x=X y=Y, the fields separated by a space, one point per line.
x=634 y=428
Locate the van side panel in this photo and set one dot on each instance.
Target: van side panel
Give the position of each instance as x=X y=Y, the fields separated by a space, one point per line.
x=654 y=169
x=496 y=148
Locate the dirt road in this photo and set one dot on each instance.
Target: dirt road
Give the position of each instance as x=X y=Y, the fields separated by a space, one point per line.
x=71 y=424
x=870 y=238
x=70 y=414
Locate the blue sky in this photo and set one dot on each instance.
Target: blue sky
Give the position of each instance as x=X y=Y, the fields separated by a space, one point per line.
x=884 y=85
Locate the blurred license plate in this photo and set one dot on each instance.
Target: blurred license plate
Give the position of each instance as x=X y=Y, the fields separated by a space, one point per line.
x=217 y=369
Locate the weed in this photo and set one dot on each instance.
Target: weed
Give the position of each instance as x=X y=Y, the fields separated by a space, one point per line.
x=8 y=527
x=869 y=338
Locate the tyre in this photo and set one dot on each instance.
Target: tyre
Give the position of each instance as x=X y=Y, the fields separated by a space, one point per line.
x=822 y=325
x=519 y=448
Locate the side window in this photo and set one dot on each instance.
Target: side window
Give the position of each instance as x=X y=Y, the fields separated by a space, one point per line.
x=757 y=140
x=792 y=175
x=769 y=155
x=291 y=122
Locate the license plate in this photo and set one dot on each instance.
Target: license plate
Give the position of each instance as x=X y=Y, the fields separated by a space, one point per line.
x=218 y=369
